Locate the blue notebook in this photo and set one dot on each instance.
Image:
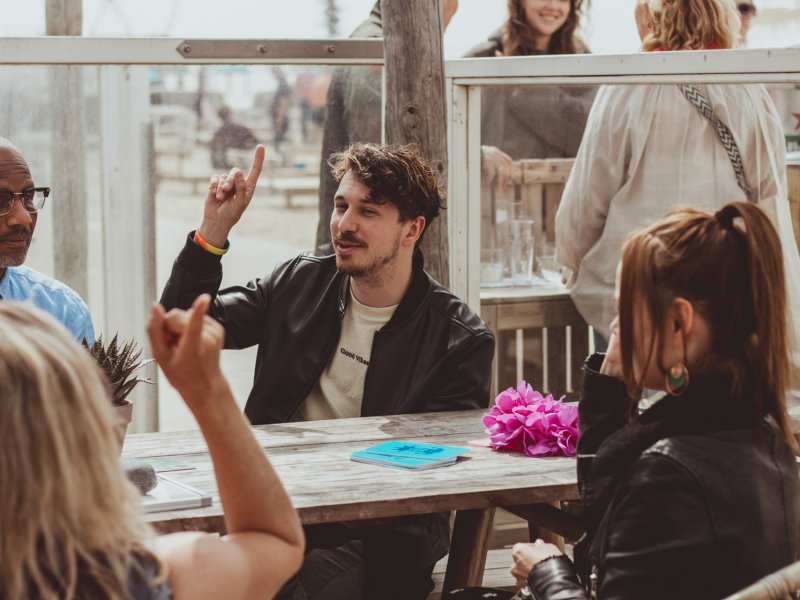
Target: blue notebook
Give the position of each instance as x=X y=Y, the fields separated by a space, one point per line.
x=414 y=456
x=399 y=462
x=417 y=450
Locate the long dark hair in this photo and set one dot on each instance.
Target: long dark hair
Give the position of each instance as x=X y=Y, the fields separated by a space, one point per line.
x=519 y=38
x=730 y=267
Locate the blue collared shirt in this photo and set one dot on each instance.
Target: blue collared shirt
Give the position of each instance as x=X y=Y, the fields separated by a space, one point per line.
x=23 y=283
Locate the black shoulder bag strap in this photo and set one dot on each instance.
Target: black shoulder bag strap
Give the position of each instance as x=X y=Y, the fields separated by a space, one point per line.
x=703 y=106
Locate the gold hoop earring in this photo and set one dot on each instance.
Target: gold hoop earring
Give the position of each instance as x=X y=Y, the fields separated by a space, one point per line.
x=677 y=379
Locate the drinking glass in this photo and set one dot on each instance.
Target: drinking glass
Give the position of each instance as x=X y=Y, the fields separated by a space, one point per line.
x=520 y=249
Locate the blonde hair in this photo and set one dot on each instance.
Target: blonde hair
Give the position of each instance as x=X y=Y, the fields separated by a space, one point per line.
x=692 y=25
x=70 y=524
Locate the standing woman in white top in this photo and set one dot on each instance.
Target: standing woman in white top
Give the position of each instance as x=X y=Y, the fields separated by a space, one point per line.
x=646 y=148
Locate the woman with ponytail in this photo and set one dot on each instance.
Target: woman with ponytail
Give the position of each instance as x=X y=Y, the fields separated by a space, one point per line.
x=698 y=496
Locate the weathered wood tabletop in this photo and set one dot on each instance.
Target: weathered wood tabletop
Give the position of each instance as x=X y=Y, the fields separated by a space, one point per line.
x=312 y=459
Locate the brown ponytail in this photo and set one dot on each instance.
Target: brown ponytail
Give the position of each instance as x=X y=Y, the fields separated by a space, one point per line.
x=730 y=267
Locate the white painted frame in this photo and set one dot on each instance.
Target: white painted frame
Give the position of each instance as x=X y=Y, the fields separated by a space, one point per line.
x=128 y=205
x=465 y=78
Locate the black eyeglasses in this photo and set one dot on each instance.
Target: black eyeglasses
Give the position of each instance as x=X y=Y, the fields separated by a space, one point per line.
x=32 y=199
x=746 y=10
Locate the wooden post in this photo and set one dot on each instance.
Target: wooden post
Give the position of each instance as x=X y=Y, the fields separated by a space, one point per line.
x=128 y=225
x=468 y=548
x=70 y=223
x=415 y=101
x=64 y=17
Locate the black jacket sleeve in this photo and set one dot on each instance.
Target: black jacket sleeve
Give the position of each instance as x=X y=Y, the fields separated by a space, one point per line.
x=242 y=310
x=194 y=272
x=463 y=379
x=602 y=411
x=555 y=579
x=644 y=558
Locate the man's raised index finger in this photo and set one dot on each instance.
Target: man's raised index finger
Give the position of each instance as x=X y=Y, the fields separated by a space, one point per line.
x=255 y=168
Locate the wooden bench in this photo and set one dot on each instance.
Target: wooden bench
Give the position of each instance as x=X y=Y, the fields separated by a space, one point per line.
x=544 y=321
x=495 y=574
x=540 y=336
x=293 y=186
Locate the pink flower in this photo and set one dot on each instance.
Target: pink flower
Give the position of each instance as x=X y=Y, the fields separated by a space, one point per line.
x=525 y=421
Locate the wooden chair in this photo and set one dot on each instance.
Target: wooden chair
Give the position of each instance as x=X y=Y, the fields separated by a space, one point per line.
x=777 y=586
x=540 y=335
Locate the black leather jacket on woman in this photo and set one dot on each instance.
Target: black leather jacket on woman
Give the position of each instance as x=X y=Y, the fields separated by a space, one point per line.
x=434 y=354
x=683 y=502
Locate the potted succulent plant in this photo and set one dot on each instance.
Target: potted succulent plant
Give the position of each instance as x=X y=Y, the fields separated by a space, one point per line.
x=120 y=362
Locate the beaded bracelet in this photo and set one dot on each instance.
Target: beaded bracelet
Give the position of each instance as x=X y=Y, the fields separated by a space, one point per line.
x=208 y=247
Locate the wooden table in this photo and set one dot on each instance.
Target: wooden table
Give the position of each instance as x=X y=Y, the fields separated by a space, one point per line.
x=312 y=460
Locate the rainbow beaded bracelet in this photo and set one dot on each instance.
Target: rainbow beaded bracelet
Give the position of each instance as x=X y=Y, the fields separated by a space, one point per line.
x=208 y=247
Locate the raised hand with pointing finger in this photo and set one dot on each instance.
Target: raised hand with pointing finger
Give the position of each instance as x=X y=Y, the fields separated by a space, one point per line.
x=228 y=197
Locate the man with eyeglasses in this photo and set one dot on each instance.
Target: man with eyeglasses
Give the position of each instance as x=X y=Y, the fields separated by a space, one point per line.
x=20 y=203
x=747 y=10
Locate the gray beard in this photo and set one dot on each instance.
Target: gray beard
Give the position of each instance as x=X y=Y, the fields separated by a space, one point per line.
x=12 y=260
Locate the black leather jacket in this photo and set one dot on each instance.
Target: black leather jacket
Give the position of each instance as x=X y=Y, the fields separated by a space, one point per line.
x=434 y=354
x=685 y=501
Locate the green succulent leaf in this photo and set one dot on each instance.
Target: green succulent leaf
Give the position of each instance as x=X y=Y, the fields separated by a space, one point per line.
x=119 y=361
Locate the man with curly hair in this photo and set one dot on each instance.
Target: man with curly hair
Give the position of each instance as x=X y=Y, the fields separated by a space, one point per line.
x=362 y=331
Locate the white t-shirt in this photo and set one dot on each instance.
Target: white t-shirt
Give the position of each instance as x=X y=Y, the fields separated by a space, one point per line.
x=340 y=389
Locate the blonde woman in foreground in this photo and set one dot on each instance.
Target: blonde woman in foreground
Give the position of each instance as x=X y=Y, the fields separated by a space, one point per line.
x=70 y=522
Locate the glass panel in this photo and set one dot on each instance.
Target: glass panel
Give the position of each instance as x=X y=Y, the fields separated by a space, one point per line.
x=208 y=119
x=122 y=139
x=646 y=149
x=529 y=138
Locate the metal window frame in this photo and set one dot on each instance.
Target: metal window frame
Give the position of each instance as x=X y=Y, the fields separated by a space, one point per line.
x=66 y=50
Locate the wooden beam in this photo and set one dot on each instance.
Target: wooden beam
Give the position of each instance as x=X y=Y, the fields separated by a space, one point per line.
x=70 y=211
x=64 y=17
x=415 y=101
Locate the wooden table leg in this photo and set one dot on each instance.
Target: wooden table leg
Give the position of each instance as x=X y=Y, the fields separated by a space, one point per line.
x=537 y=532
x=468 y=548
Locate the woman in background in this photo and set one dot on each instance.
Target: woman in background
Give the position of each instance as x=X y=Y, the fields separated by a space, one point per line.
x=524 y=122
x=651 y=147
x=536 y=27
x=70 y=522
